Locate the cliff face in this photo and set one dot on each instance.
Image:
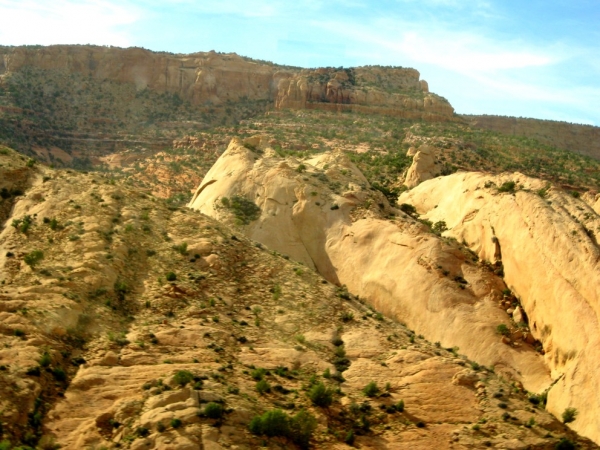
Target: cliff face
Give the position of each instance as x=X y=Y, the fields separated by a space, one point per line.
x=208 y=77
x=583 y=139
x=199 y=77
x=395 y=92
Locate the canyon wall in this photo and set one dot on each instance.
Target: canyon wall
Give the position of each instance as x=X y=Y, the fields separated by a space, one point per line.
x=215 y=78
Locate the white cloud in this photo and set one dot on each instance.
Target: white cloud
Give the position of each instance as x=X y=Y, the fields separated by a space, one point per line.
x=65 y=22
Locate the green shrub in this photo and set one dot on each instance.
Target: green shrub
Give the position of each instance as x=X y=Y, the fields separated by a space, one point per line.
x=181 y=248
x=272 y=423
x=408 y=209
x=183 y=377
x=503 y=329
x=299 y=428
x=175 y=423
x=439 y=227
x=258 y=374
x=214 y=410
x=5 y=445
x=565 y=444
x=33 y=257
x=263 y=387
x=170 y=276
x=569 y=414
x=243 y=209
x=59 y=374
x=45 y=360
x=320 y=395
x=399 y=406
x=349 y=439
x=508 y=186
x=371 y=389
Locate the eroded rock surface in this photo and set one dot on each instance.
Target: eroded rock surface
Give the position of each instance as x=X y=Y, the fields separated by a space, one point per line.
x=321 y=212
x=551 y=261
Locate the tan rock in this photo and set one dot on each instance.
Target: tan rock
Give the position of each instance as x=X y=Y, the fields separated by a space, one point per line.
x=423 y=166
x=548 y=262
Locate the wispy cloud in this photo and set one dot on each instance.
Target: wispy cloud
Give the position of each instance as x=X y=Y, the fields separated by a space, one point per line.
x=66 y=21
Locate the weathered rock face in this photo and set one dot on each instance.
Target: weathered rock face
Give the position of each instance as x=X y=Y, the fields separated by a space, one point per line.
x=396 y=92
x=551 y=261
x=584 y=139
x=322 y=213
x=208 y=77
x=423 y=167
x=199 y=77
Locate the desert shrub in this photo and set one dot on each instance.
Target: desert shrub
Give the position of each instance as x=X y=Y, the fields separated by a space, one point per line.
x=272 y=423
x=349 y=438
x=565 y=444
x=408 y=209
x=399 y=406
x=23 y=224
x=59 y=374
x=508 y=186
x=258 y=374
x=176 y=423
x=569 y=414
x=299 y=428
x=243 y=209
x=371 y=389
x=347 y=316
x=45 y=360
x=181 y=248
x=33 y=257
x=183 y=377
x=301 y=168
x=320 y=395
x=503 y=329
x=337 y=341
x=170 y=276
x=263 y=387
x=439 y=227
x=214 y=410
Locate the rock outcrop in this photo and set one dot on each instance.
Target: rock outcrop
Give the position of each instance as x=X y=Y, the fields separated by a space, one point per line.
x=424 y=165
x=322 y=212
x=584 y=139
x=396 y=92
x=551 y=261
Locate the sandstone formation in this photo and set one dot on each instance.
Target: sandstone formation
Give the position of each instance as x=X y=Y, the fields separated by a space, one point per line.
x=424 y=165
x=322 y=212
x=213 y=78
x=395 y=92
x=584 y=139
x=549 y=251
x=98 y=350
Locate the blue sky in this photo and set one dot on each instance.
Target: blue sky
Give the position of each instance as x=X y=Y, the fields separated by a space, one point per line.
x=522 y=58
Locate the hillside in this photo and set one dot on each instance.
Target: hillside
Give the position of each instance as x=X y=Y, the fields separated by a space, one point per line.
x=209 y=251
x=129 y=324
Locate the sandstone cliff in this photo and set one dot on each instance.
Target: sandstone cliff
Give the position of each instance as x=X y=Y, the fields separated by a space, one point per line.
x=395 y=92
x=584 y=139
x=322 y=212
x=211 y=78
x=547 y=242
